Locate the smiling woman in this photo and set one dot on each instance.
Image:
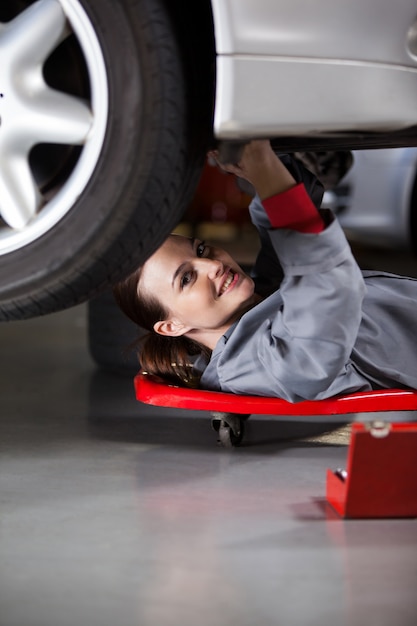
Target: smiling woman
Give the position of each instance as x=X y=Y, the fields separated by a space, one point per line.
x=308 y=324
x=195 y=277
x=205 y=290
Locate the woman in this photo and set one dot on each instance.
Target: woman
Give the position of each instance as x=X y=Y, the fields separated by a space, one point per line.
x=308 y=324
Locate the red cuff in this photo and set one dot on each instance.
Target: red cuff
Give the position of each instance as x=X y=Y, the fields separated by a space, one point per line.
x=294 y=209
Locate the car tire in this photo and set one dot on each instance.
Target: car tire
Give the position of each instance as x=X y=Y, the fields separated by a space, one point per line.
x=112 y=337
x=145 y=167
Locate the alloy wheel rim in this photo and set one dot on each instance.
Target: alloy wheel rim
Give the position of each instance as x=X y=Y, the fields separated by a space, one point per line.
x=34 y=114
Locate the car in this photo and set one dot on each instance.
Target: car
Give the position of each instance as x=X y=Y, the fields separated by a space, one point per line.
x=107 y=109
x=376 y=202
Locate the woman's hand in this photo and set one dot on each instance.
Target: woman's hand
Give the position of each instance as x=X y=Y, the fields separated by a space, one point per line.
x=260 y=166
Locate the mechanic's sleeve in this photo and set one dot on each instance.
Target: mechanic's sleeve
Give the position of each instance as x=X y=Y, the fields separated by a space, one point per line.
x=315 y=330
x=311 y=337
x=267 y=271
x=294 y=209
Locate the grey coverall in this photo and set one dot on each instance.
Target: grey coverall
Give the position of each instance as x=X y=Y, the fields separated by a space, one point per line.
x=328 y=329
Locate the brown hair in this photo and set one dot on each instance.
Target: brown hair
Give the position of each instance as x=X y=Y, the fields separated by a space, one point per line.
x=169 y=357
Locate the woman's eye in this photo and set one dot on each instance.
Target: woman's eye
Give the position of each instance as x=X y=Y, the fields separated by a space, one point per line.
x=201 y=249
x=185 y=279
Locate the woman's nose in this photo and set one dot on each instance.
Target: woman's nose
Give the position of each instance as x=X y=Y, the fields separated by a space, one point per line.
x=213 y=267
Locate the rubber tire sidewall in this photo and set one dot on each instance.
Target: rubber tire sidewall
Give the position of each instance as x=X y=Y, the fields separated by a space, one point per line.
x=142 y=170
x=112 y=337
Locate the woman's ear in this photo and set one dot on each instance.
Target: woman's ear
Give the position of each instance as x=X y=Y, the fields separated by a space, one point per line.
x=170 y=328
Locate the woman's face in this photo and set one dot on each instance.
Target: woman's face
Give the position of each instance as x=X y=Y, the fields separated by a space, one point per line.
x=202 y=287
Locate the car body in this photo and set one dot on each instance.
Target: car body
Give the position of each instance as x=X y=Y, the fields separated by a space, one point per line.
x=310 y=69
x=107 y=108
x=376 y=202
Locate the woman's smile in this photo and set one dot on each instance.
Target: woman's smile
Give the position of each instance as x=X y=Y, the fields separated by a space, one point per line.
x=229 y=281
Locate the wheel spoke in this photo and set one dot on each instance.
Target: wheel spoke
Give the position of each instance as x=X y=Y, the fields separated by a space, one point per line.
x=34 y=112
x=32 y=36
x=53 y=117
x=19 y=195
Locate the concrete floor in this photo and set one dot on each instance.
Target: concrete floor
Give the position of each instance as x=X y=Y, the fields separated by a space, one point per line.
x=112 y=512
